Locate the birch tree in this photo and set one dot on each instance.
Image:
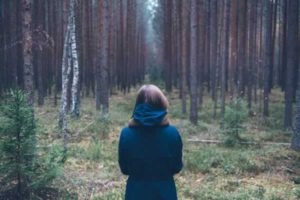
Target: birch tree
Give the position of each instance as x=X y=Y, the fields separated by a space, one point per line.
x=75 y=63
x=66 y=70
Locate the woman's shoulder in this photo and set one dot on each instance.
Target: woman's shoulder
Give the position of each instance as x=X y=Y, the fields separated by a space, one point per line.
x=171 y=131
x=126 y=131
x=170 y=128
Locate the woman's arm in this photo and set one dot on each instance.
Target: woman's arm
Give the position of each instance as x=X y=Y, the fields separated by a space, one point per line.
x=177 y=163
x=178 y=154
x=123 y=155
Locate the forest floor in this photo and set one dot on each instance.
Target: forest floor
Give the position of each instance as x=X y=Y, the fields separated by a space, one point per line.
x=210 y=171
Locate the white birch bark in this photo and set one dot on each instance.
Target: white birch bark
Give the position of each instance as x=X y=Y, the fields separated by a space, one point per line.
x=66 y=70
x=75 y=65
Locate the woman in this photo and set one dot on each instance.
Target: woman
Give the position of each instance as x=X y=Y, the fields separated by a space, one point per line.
x=150 y=149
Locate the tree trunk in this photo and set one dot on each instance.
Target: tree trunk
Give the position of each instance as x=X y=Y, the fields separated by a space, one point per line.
x=292 y=61
x=251 y=53
x=193 y=63
x=201 y=50
x=66 y=70
x=213 y=47
x=75 y=83
x=27 y=50
x=267 y=53
x=102 y=63
x=293 y=22
x=242 y=43
x=184 y=61
x=233 y=46
x=226 y=23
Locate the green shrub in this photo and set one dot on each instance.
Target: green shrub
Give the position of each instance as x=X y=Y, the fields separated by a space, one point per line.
x=231 y=191
x=175 y=111
x=297 y=193
x=203 y=161
x=296 y=179
x=275 y=120
x=48 y=167
x=100 y=128
x=236 y=114
x=225 y=161
x=94 y=151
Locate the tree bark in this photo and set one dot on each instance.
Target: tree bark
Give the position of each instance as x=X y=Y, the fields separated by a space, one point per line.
x=242 y=43
x=102 y=63
x=233 y=46
x=226 y=23
x=66 y=70
x=292 y=61
x=267 y=53
x=251 y=53
x=213 y=47
x=293 y=23
x=184 y=59
x=193 y=63
x=27 y=50
x=75 y=82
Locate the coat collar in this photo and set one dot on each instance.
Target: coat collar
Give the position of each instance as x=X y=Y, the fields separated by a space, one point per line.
x=134 y=123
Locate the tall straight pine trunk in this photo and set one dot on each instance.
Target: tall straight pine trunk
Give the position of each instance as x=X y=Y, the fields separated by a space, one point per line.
x=27 y=50
x=226 y=24
x=267 y=52
x=184 y=59
x=193 y=63
x=292 y=61
x=102 y=60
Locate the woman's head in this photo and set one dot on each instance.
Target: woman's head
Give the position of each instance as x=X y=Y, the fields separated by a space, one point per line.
x=150 y=107
x=152 y=95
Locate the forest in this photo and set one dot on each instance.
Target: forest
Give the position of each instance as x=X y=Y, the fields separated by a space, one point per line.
x=70 y=71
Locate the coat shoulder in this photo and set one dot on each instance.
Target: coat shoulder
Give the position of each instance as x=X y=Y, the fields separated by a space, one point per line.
x=126 y=133
x=171 y=131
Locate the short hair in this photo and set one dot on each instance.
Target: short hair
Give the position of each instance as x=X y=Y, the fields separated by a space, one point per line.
x=152 y=95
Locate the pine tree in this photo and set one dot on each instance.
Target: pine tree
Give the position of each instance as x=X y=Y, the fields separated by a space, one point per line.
x=17 y=143
x=22 y=171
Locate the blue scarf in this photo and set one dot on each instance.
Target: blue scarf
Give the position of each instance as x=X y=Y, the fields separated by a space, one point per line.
x=148 y=115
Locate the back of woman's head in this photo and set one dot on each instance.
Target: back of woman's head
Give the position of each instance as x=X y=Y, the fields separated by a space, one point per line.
x=152 y=95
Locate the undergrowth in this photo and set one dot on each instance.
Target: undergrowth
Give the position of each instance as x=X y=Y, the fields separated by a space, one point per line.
x=211 y=172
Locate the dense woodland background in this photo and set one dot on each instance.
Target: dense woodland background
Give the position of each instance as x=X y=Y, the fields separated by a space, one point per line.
x=233 y=52
x=236 y=48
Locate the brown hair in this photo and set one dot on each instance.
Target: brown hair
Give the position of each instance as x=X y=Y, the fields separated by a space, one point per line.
x=154 y=96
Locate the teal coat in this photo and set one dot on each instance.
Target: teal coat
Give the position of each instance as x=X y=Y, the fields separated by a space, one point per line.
x=150 y=154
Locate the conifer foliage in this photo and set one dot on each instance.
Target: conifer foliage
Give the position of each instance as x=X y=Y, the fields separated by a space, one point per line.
x=22 y=172
x=17 y=135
